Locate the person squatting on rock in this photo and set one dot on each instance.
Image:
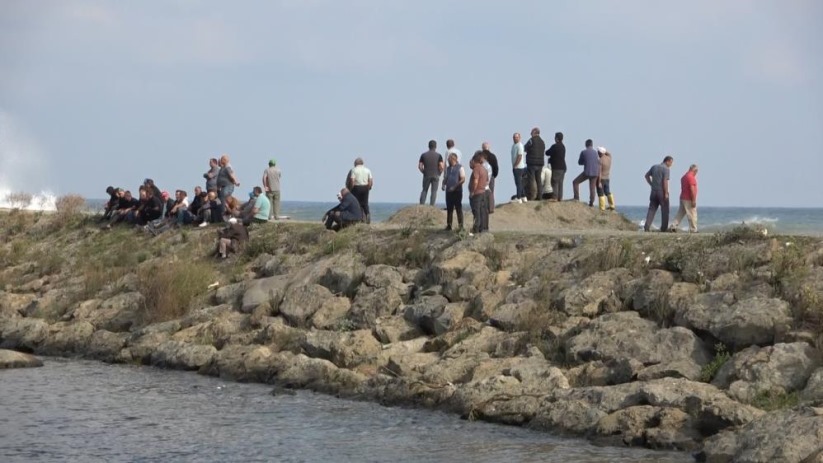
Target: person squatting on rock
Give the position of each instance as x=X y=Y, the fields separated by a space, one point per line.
x=231 y=238
x=477 y=193
x=348 y=212
x=557 y=161
x=431 y=166
x=453 y=186
x=518 y=169
x=658 y=179
x=360 y=181
x=534 y=162
x=688 y=200
x=604 y=190
x=271 y=185
x=590 y=161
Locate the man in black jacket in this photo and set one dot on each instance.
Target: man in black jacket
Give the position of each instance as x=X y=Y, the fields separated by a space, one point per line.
x=557 y=161
x=348 y=212
x=492 y=160
x=535 y=148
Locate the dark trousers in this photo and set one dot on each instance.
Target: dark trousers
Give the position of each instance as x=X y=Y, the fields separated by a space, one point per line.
x=361 y=192
x=429 y=182
x=518 y=183
x=603 y=189
x=557 y=183
x=454 y=203
x=536 y=172
x=658 y=199
x=480 y=210
x=592 y=186
x=490 y=192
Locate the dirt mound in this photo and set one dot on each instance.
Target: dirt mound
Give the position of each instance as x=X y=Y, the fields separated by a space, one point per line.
x=532 y=216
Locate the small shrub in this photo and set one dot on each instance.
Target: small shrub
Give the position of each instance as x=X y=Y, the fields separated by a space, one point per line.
x=19 y=200
x=494 y=258
x=739 y=234
x=170 y=289
x=721 y=356
x=345 y=324
x=69 y=209
x=624 y=255
x=775 y=400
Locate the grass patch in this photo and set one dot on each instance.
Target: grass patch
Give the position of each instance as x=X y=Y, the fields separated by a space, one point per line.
x=69 y=210
x=612 y=255
x=739 y=234
x=775 y=400
x=170 y=289
x=721 y=356
x=494 y=258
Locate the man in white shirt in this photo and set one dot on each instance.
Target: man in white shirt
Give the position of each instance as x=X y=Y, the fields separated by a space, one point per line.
x=361 y=183
x=451 y=149
x=518 y=168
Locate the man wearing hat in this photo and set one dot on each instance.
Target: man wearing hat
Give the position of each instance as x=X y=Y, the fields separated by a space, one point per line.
x=271 y=184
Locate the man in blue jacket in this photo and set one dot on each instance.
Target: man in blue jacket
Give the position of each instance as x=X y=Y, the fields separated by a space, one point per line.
x=346 y=213
x=590 y=161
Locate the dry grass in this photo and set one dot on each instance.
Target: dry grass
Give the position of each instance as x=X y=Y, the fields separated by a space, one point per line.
x=19 y=200
x=69 y=210
x=170 y=289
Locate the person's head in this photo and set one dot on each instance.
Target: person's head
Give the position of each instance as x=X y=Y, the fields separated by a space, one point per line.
x=224 y=160
x=164 y=195
x=272 y=162
x=558 y=137
x=120 y=192
x=144 y=194
x=485 y=146
x=197 y=191
x=449 y=144
x=453 y=159
x=127 y=195
x=212 y=195
x=432 y=144
x=358 y=162
x=110 y=190
x=601 y=151
x=693 y=169
x=589 y=143
x=148 y=182
x=516 y=137
x=478 y=157
x=180 y=194
x=344 y=192
x=213 y=162
x=668 y=160
x=257 y=191
x=536 y=131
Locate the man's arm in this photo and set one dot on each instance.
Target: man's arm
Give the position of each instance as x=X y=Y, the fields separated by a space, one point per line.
x=665 y=188
x=648 y=177
x=421 y=167
x=693 y=188
x=518 y=159
x=265 y=182
x=371 y=181
x=462 y=177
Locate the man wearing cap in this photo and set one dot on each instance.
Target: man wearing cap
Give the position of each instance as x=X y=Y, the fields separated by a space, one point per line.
x=590 y=161
x=271 y=183
x=361 y=182
x=658 y=179
x=604 y=190
x=688 y=200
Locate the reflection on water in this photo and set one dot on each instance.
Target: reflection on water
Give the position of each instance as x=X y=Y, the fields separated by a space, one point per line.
x=86 y=411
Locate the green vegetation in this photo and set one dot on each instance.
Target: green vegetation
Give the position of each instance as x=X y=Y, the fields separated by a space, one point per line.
x=775 y=400
x=739 y=234
x=721 y=356
x=169 y=289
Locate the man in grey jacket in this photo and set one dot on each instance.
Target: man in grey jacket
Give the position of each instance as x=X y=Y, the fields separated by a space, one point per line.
x=590 y=161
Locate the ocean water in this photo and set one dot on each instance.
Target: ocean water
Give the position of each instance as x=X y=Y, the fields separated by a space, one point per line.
x=72 y=410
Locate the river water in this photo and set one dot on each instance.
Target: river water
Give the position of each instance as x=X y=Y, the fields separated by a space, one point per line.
x=71 y=410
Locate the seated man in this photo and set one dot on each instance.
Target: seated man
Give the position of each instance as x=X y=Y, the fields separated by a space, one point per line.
x=114 y=200
x=125 y=205
x=212 y=210
x=344 y=214
x=260 y=209
x=177 y=206
x=231 y=238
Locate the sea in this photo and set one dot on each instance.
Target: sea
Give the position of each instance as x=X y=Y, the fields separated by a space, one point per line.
x=85 y=411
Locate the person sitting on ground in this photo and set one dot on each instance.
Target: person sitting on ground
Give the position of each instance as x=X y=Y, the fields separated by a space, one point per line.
x=212 y=210
x=152 y=210
x=232 y=207
x=125 y=205
x=231 y=238
x=114 y=200
x=546 y=180
x=189 y=215
x=260 y=208
x=346 y=213
x=178 y=206
x=133 y=215
x=149 y=184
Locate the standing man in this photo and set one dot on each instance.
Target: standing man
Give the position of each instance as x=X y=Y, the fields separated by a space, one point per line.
x=688 y=200
x=518 y=168
x=211 y=174
x=271 y=184
x=658 y=179
x=362 y=182
x=557 y=161
x=603 y=186
x=453 y=186
x=451 y=149
x=590 y=161
x=226 y=180
x=431 y=166
x=534 y=160
x=495 y=169
x=477 y=193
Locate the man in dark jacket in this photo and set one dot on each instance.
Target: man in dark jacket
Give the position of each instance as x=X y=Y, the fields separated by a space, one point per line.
x=492 y=160
x=346 y=213
x=535 y=148
x=231 y=238
x=557 y=161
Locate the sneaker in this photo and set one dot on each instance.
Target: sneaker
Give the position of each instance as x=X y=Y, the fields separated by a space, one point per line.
x=525 y=200
x=204 y=224
x=471 y=234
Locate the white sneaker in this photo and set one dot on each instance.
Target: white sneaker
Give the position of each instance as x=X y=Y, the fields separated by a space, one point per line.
x=525 y=200
x=204 y=224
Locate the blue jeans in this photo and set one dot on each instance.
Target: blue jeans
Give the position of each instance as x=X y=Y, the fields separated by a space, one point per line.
x=225 y=192
x=518 y=182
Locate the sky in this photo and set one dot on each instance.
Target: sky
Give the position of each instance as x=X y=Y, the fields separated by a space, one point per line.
x=97 y=93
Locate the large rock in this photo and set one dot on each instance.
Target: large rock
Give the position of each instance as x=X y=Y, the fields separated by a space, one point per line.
x=650 y=427
x=332 y=314
x=300 y=371
x=780 y=369
x=463 y=276
x=13 y=359
x=106 y=345
x=345 y=350
x=343 y=274
x=425 y=312
x=67 y=338
x=52 y=305
x=389 y=330
x=754 y=321
x=301 y=302
x=264 y=290
x=23 y=333
x=178 y=355
x=14 y=305
x=595 y=295
x=242 y=363
x=627 y=335
x=117 y=314
x=784 y=436
x=382 y=293
x=813 y=391
x=278 y=336
x=608 y=373
x=651 y=295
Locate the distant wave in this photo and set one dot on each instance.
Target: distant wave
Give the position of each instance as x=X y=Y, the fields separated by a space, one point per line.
x=43 y=201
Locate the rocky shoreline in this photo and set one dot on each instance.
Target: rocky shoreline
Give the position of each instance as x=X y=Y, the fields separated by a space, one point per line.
x=705 y=344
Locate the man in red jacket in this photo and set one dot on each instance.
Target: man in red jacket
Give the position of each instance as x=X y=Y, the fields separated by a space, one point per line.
x=688 y=200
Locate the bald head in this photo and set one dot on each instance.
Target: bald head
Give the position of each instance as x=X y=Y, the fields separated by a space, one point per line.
x=485 y=146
